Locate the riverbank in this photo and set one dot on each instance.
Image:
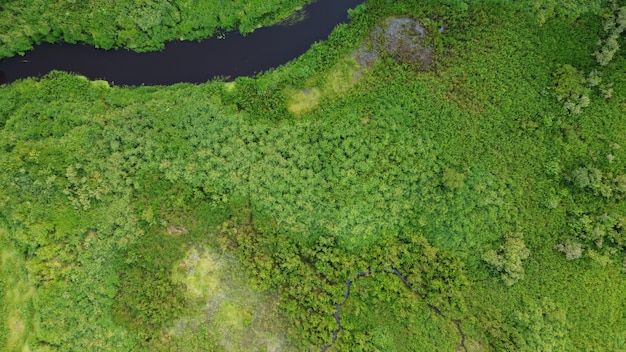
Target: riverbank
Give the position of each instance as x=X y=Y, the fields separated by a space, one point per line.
x=227 y=56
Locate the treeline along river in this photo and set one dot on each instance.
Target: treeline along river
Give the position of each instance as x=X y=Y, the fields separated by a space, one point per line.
x=229 y=55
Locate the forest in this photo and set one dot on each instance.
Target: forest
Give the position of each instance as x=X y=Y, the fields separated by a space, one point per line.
x=438 y=175
x=139 y=25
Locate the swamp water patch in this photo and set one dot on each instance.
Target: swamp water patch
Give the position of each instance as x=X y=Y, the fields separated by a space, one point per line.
x=403 y=39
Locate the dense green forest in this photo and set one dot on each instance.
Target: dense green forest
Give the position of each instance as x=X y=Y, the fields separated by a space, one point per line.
x=140 y=25
x=484 y=161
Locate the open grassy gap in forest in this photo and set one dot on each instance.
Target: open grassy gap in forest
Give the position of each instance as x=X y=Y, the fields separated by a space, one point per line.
x=237 y=317
x=16 y=292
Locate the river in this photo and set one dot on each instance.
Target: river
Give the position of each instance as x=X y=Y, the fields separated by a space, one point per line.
x=184 y=61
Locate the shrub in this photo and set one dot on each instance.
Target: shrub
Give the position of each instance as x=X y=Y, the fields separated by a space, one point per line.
x=508 y=259
x=615 y=26
x=570 y=88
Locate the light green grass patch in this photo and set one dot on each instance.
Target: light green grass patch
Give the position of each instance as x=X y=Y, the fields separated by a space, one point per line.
x=100 y=84
x=237 y=317
x=17 y=293
x=337 y=81
x=229 y=86
x=302 y=101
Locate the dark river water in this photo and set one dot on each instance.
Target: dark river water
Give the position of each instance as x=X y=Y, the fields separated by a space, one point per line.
x=184 y=61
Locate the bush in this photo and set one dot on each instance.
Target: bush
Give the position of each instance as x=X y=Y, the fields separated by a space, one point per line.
x=508 y=259
x=615 y=26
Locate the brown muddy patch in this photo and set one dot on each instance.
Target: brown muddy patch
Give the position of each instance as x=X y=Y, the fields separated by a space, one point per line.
x=403 y=39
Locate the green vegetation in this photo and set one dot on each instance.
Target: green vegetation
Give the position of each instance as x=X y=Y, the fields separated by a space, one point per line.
x=508 y=259
x=138 y=25
x=228 y=216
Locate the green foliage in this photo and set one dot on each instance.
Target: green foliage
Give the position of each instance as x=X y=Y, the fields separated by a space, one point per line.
x=606 y=185
x=614 y=26
x=508 y=259
x=603 y=234
x=545 y=326
x=452 y=179
x=539 y=325
x=16 y=324
x=572 y=250
x=596 y=226
x=148 y=299
x=302 y=276
x=224 y=313
x=570 y=89
x=546 y=10
x=140 y=26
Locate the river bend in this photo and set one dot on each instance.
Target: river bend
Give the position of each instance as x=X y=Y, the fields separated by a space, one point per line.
x=183 y=61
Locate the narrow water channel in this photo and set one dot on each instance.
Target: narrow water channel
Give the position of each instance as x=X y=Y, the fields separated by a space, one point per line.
x=410 y=286
x=347 y=295
x=184 y=61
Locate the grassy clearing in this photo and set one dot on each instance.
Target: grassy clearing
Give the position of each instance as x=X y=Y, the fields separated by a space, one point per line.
x=17 y=320
x=237 y=317
x=334 y=83
x=302 y=101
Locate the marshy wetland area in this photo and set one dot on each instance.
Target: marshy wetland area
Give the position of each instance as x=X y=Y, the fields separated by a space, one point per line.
x=441 y=175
